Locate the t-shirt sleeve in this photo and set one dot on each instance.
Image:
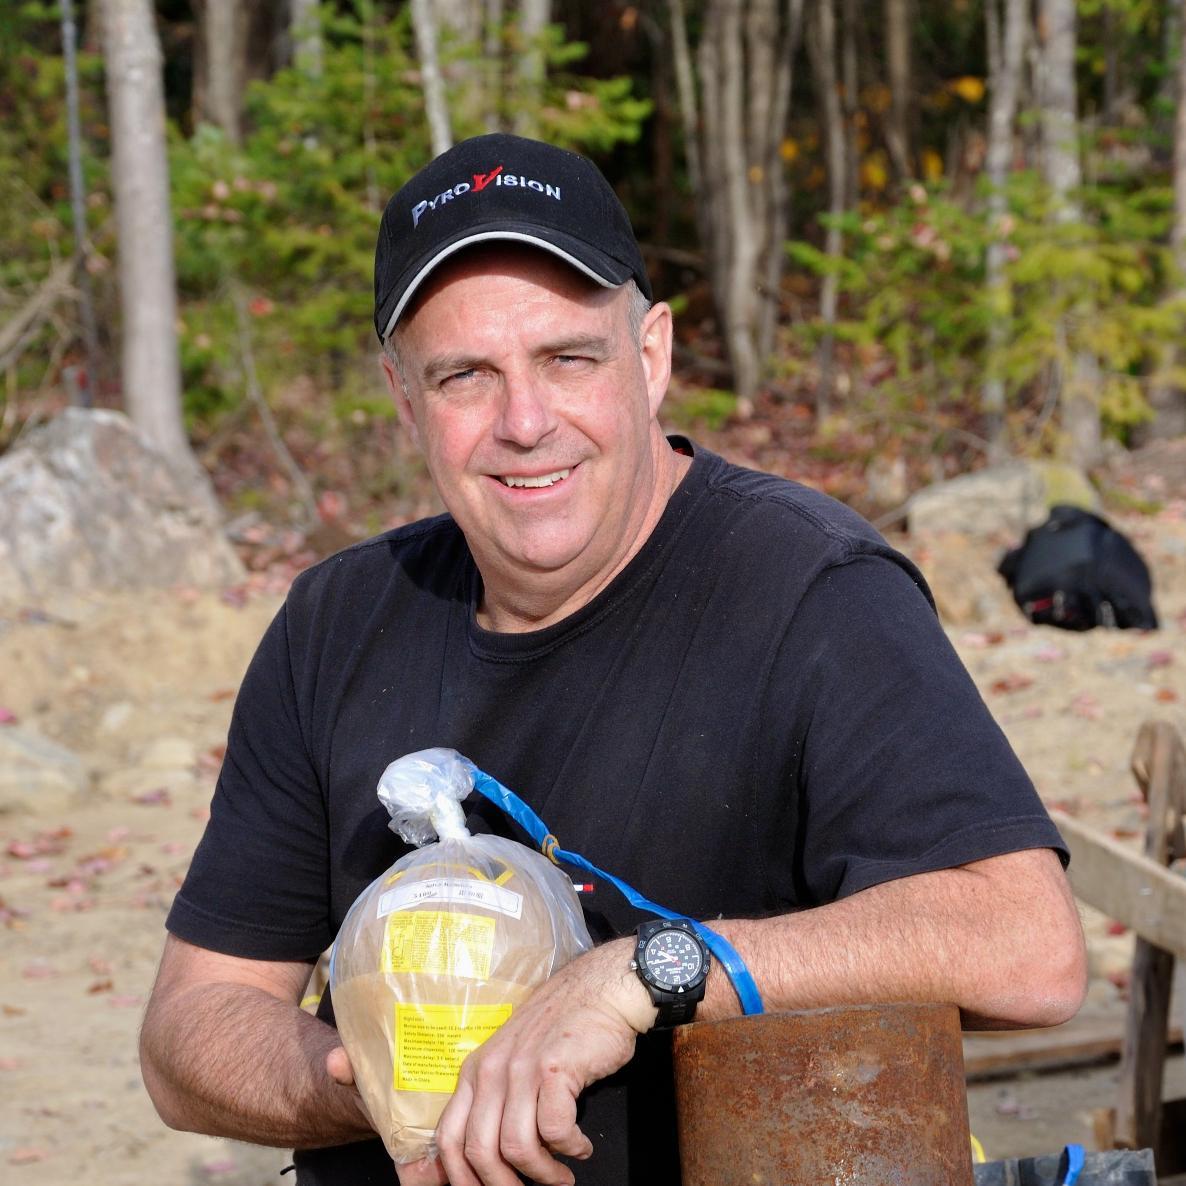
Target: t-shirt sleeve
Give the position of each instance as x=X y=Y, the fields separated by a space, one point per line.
x=902 y=768
x=257 y=886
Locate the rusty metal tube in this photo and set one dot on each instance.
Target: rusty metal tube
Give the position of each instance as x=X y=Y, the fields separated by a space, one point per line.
x=864 y=1095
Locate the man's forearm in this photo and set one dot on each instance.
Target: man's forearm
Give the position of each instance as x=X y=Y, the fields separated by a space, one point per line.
x=232 y=1060
x=999 y=938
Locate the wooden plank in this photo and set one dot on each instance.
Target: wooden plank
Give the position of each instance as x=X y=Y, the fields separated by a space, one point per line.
x=1159 y=766
x=1081 y=1040
x=1125 y=885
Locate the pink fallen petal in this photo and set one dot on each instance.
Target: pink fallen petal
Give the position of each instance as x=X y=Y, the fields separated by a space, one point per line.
x=7 y=716
x=11 y=1064
x=115 y=835
x=125 y=1001
x=220 y=1165
x=26 y=1156
x=39 y=970
x=1157 y=659
x=174 y=847
x=156 y=795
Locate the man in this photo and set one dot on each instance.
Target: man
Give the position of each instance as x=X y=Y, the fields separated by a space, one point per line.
x=719 y=685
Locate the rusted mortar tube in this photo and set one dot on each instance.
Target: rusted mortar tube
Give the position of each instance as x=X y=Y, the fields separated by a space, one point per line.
x=863 y=1095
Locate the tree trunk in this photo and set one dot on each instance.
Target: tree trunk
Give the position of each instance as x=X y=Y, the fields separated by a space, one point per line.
x=823 y=57
x=1169 y=400
x=897 y=65
x=222 y=30
x=530 y=66
x=86 y=303
x=493 y=17
x=745 y=61
x=1005 y=60
x=850 y=90
x=305 y=27
x=435 y=106
x=1079 y=392
x=140 y=178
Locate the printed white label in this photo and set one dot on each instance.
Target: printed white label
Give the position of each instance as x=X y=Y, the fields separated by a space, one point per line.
x=451 y=889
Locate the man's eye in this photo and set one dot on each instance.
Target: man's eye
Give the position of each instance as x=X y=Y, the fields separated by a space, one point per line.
x=460 y=376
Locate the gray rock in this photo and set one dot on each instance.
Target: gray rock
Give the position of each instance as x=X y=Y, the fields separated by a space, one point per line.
x=85 y=504
x=37 y=776
x=1002 y=501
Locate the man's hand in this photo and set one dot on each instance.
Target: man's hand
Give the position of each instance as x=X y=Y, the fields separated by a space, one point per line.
x=516 y=1099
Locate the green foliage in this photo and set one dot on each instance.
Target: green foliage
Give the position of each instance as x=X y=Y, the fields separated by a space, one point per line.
x=917 y=309
x=709 y=407
x=292 y=214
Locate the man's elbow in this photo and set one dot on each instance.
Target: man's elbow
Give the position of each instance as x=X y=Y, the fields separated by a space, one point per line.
x=1046 y=982
x=170 y=1103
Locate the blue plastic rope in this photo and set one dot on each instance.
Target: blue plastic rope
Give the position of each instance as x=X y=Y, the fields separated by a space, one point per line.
x=1076 y=1159
x=725 y=952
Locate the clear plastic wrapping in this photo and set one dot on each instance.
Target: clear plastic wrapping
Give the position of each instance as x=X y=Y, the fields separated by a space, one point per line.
x=436 y=953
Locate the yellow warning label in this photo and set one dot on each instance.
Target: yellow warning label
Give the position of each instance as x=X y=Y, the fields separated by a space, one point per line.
x=432 y=1041
x=439 y=943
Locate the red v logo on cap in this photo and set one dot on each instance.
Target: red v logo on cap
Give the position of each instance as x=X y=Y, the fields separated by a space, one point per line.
x=481 y=180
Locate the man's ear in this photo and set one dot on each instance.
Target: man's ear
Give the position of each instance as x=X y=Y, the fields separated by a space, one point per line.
x=399 y=394
x=655 y=338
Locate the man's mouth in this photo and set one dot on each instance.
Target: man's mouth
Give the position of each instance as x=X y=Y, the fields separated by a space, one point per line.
x=534 y=483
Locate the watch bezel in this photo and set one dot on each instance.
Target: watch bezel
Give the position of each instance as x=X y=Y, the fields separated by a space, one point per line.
x=647 y=932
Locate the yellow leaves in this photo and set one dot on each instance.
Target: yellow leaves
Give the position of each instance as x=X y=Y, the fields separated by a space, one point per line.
x=969 y=88
x=932 y=164
x=789 y=150
x=874 y=174
x=756 y=174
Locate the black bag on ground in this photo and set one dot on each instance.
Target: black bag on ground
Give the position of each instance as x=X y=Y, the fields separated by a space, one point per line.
x=1077 y=572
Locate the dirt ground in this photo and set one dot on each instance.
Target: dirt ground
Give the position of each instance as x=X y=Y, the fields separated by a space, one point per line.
x=140 y=687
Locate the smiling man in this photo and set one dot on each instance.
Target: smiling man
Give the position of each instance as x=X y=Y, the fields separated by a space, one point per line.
x=720 y=685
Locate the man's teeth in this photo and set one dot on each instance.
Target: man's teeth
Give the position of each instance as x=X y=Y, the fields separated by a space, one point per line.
x=542 y=480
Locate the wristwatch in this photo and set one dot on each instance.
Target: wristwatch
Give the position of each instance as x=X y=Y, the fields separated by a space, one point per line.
x=672 y=961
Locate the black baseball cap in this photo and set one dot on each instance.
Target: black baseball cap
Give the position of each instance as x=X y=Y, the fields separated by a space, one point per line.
x=502 y=187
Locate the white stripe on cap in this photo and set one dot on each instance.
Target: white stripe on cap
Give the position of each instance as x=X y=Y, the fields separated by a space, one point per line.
x=488 y=236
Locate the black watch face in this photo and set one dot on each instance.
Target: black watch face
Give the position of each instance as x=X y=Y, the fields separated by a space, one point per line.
x=673 y=957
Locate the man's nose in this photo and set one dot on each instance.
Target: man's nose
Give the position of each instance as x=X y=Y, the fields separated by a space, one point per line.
x=526 y=416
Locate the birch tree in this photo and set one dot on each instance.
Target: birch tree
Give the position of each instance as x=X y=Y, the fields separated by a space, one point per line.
x=1005 y=51
x=86 y=303
x=305 y=16
x=822 y=42
x=745 y=61
x=148 y=298
x=1078 y=390
x=530 y=65
x=900 y=80
x=436 y=108
x=1168 y=399
x=221 y=64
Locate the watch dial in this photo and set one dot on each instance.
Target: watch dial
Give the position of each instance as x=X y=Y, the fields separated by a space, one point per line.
x=673 y=958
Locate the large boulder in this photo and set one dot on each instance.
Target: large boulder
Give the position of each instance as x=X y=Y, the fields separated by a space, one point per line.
x=37 y=776
x=1001 y=502
x=86 y=504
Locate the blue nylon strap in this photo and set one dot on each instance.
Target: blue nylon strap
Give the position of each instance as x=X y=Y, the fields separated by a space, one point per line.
x=726 y=954
x=1074 y=1159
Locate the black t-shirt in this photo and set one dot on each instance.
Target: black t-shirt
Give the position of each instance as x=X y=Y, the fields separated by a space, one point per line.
x=760 y=713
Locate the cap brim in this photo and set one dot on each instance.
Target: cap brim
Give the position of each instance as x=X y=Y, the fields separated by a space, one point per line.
x=601 y=268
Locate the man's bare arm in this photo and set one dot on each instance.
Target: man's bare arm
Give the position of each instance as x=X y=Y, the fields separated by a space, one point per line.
x=226 y=1049
x=1000 y=938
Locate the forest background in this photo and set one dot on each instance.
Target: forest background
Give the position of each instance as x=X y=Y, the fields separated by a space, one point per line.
x=901 y=238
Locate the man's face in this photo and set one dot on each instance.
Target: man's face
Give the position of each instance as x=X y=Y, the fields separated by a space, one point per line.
x=536 y=409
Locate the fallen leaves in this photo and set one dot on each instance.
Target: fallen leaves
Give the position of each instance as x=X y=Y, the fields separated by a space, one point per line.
x=27 y=1156
x=1008 y=684
x=47 y=843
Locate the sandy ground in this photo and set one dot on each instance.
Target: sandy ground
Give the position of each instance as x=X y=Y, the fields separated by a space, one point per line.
x=141 y=689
